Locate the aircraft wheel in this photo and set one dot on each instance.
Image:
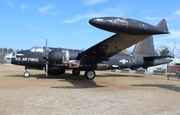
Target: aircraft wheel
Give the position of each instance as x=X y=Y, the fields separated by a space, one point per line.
x=26 y=74
x=75 y=72
x=89 y=75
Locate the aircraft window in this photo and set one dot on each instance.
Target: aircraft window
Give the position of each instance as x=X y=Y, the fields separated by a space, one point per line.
x=13 y=54
x=33 y=50
x=39 y=49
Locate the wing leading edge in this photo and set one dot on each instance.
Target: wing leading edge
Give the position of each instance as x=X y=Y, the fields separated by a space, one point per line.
x=111 y=46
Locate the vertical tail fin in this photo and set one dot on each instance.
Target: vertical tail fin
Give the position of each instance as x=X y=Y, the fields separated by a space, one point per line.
x=162 y=25
x=144 y=47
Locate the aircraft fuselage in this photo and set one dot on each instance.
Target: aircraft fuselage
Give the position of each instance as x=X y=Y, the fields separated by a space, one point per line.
x=67 y=58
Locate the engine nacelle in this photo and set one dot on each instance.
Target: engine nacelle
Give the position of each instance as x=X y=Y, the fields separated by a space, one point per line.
x=56 y=57
x=52 y=70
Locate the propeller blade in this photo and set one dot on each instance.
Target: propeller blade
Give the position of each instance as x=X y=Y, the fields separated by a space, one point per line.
x=46 y=45
x=46 y=68
x=46 y=58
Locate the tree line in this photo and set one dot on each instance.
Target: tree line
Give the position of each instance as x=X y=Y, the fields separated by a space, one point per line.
x=6 y=50
x=3 y=52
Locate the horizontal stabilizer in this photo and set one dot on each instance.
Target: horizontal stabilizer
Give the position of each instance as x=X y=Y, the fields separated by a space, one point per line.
x=156 y=57
x=162 y=25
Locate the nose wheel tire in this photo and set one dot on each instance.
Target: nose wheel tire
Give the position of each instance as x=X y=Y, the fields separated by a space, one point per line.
x=89 y=75
x=26 y=74
x=75 y=72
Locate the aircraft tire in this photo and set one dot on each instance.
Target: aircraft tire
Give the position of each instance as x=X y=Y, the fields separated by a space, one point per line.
x=26 y=74
x=89 y=75
x=75 y=72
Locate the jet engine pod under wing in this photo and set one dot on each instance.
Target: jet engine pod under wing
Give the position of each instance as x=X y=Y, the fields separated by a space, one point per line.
x=129 y=26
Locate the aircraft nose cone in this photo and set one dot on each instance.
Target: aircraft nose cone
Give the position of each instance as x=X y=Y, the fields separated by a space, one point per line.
x=94 y=21
x=102 y=23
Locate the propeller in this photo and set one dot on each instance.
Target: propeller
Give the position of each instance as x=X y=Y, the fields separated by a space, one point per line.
x=46 y=59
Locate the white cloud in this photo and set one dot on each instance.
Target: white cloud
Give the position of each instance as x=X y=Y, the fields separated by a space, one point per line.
x=169 y=39
x=177 y=12
x=107 y=12
x=45 y=9
x=174 y=34
x=153 y=18
x=93 y=2
x=11 y=4
x=160 y=18
x=114 y=11
x=81 y=31
x=31 y=27
x=56 y=13
x=81 y=17
x=24 y=6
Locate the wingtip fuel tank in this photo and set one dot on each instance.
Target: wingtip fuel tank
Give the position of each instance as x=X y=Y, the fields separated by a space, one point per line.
x=128 y=26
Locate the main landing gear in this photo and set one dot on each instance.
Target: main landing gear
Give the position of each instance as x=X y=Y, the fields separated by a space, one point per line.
x=75 y=72
x=89 y=74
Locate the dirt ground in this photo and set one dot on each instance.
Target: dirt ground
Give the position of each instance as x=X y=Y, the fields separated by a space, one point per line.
x=109 y=93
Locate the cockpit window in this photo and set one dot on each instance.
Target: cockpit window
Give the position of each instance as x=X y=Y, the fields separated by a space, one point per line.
x=14 y=53
x=37 y=49
x=33 y=50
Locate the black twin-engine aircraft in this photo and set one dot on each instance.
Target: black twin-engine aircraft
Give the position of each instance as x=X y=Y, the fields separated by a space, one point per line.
x=102 y=56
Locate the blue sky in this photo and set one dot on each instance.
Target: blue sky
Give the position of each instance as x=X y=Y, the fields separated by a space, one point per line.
x=26 y=23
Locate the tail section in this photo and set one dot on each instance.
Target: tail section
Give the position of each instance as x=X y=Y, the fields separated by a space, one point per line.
x=145 y=47
x=162 y=25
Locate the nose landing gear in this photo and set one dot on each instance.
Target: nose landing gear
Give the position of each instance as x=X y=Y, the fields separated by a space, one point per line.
x=26 y=74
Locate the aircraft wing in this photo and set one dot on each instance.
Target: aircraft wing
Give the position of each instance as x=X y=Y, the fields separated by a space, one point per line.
x=103 y=50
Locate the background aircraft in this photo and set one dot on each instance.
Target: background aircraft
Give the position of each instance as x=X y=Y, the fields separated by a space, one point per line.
x=101 y=56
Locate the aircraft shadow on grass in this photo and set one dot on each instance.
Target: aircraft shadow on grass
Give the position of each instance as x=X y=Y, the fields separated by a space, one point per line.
x=164 y=86
x=80 y=82
x=69 y=76
x=76 y=81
